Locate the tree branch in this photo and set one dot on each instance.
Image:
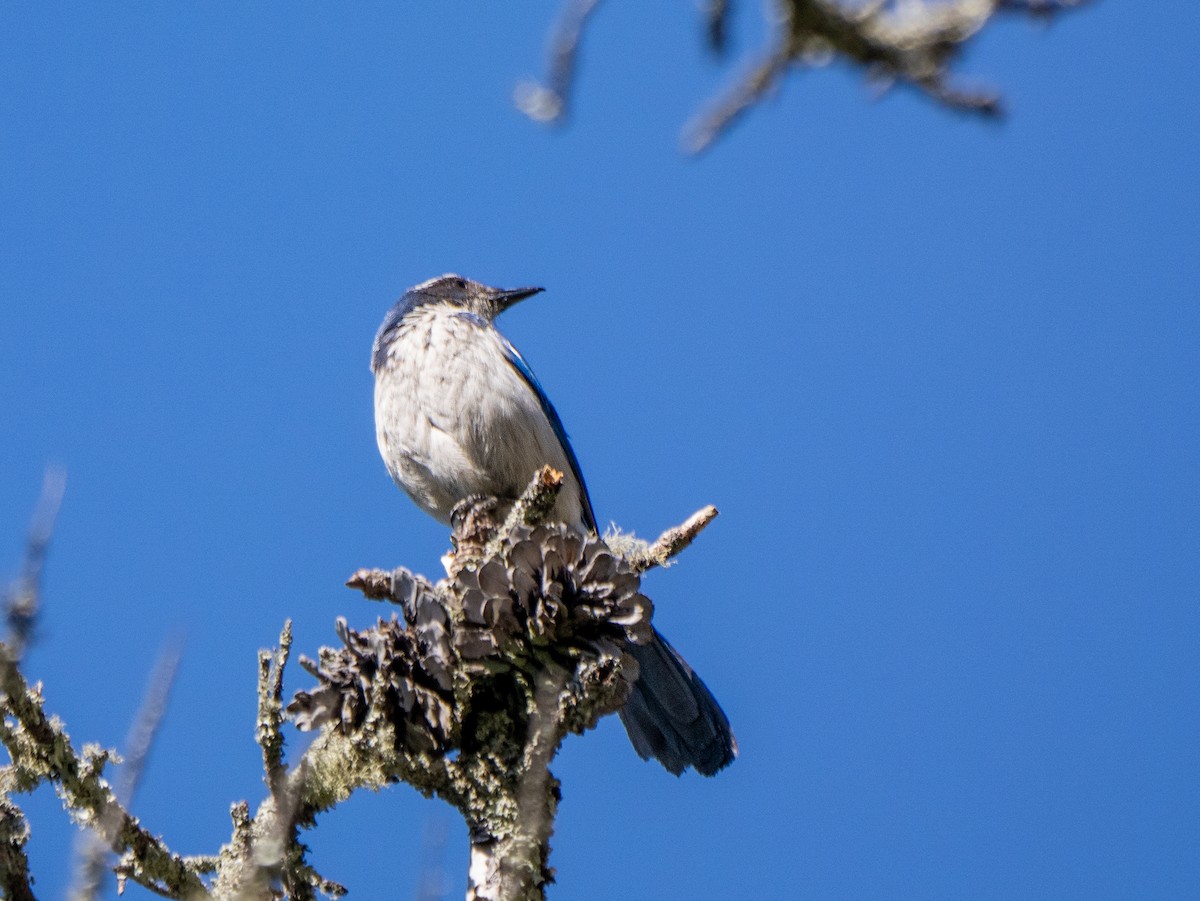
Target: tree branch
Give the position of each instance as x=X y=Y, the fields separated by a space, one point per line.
x=21 y=601
x=642 y=556
x=470 y=695
x=466 y=694
x=265 y=850
x=24 y=593
x=911 y=42
x=41 y=751
x=716 y=25
x=15 y=881
x=94 y=849
x=270 y=708
x=549 y=103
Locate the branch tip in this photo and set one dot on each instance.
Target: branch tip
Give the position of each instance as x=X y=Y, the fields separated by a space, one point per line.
x=671 y=542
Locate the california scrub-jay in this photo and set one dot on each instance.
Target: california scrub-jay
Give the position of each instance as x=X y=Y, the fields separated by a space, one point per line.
x=459 y=414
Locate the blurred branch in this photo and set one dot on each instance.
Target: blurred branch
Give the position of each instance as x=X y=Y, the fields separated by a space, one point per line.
x=94 y=849
x=23 y=594
x=21 y=601
x=549 y=103
x=432 y=885
x=911 y=42
x=716 y=25
x=41 y=751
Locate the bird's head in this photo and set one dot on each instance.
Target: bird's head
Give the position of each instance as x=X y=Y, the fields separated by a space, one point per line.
x=473 y=297
x=451 y=291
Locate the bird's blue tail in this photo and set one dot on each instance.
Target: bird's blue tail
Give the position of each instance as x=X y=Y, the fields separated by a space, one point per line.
x=672 y=716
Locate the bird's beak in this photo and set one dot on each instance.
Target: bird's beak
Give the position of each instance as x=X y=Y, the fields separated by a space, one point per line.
x=506 y=298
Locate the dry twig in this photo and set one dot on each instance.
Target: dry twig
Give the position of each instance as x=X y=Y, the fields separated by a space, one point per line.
x=671 y=542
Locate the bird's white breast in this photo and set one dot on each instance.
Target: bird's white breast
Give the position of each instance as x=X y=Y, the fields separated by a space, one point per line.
x=453 y=418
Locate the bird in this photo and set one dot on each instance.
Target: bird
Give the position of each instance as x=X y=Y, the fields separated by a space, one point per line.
x=459 y=414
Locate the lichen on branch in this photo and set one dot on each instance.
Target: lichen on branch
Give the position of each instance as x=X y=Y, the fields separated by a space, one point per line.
x=469 y=689
x=466 y=693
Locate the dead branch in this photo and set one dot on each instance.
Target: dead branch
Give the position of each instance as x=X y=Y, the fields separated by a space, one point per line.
x=671 y=542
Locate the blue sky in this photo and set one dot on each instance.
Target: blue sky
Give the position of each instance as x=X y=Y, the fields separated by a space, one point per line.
x=938 y=375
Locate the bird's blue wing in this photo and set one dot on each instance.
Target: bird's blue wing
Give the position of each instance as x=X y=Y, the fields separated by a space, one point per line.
x=518 y=363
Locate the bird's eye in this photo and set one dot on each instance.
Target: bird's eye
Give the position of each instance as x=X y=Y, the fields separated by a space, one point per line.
x=460 y=284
